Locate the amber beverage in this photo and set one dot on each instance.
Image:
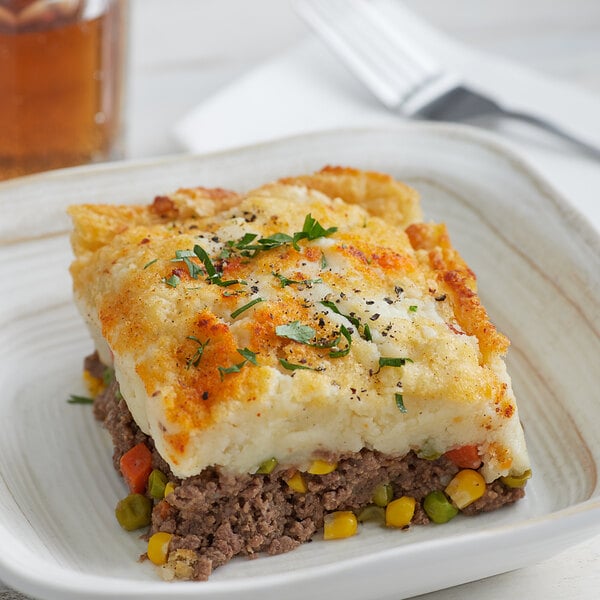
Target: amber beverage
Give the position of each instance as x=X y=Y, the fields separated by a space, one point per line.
x=61 y=80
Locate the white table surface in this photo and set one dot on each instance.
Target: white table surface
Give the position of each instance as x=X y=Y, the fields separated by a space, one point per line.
x=183 y=51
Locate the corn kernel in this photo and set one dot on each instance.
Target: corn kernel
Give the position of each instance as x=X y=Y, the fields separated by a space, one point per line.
x=95 y=385
x=296 y=482
x=399 y=512
x=340 y=524
x=169 y=488
x=466 y=487
x=158 y=547
x=322 y=467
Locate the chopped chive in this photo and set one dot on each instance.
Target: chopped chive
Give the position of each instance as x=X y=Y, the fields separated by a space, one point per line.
x=150 y=263
x=211 y=271
x=218 y=281
x=294 y=367
x=285 y=281
x=413 y=308
x=345 y=351
x=400 y=403
x=193 y=269
x=200 y=252
x=181 y=254
x=74 y=399
x=241 y=309
x=332 y=306
x=385 y=361
x=367 y=333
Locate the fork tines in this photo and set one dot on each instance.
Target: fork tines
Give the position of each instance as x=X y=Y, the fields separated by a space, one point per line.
x=386 y=59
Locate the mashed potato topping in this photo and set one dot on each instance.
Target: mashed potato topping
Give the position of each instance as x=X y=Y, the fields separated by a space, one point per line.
x=316 y=315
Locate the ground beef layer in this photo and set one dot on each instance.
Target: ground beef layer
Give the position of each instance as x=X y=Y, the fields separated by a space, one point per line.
x=217 y=515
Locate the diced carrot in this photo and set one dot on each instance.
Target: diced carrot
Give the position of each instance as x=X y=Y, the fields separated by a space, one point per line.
x=466 y=457
x=136 y=466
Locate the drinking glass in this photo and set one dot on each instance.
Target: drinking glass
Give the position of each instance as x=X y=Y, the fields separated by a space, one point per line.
x=62 y=66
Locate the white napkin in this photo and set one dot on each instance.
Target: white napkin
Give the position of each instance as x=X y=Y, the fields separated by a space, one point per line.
x=308 y=89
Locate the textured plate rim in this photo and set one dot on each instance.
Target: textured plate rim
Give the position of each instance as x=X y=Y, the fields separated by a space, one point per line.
x=86 y=584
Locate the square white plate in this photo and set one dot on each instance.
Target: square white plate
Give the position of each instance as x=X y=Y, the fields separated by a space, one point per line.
x=538 y=265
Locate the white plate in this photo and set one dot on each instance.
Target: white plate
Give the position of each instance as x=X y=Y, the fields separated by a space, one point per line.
x=539 y=271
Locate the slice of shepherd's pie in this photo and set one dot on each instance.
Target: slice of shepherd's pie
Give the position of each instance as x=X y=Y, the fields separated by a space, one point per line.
x=289 y=361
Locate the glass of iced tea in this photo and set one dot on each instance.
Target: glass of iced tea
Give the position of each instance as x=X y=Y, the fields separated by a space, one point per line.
x=62 y=64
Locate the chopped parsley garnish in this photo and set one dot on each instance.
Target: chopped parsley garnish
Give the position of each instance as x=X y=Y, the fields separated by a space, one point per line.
x=304 y=334
x=413 y=308
x=74 y=399
x=173 y=281
x=247 y=248
x=285 y=281
x=194 y=360
x=311 y=230
x=248 y=355
x=296 y=331
x=243 y=243
x=248 y=245
x=388 y=361
x=274 y=241
x=400 y=403
x=241 y=309
x=233 y=369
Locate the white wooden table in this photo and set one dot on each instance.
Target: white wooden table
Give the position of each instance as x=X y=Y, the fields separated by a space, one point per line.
x=183 y=51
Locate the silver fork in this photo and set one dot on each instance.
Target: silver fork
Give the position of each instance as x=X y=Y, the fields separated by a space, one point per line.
x=400 y=74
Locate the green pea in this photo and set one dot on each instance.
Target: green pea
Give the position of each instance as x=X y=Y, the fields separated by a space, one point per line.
x=371 y=513
x=156 y=484
x=134 y=512
x=267 y=467
x=383 y=494
x=438 y=507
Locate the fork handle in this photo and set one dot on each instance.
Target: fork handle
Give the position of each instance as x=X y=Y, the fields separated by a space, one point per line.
x=461 y=103
x=590 y=149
